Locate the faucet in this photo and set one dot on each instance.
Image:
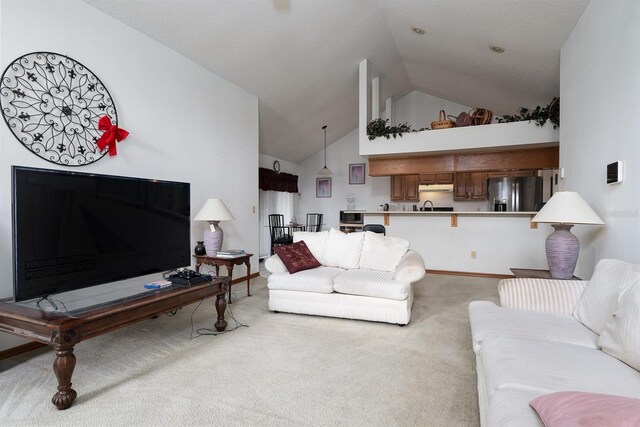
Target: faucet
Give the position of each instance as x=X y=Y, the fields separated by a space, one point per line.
x=424 y=205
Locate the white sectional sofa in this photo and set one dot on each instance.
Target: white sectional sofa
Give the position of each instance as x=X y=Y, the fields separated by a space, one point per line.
x=554 y=336
x=363 y=276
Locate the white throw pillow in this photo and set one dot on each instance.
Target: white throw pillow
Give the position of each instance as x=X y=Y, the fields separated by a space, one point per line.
x=621 y=335
x=599 y=300
x=382 y=253
x=343 y=249
x=316 y=242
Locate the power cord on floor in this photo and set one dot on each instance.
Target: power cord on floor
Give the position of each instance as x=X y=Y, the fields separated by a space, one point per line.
x=228 y=313
x=206 y=331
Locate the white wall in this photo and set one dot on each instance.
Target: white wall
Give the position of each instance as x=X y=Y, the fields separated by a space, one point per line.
x=415 y=108
x=340 y=154
x=419 y=109
x=185 y=123
x=499 y=242
x=600 y=93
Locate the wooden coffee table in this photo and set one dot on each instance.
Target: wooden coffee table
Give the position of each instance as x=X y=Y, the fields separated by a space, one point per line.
x=63 y=331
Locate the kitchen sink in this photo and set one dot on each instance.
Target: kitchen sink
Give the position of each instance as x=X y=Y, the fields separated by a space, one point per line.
x=437 y=209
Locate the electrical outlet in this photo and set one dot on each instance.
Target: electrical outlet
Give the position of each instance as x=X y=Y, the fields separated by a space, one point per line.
x=474 y=254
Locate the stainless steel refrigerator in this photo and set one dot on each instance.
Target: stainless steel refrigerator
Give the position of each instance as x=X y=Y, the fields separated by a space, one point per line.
x=522 y=194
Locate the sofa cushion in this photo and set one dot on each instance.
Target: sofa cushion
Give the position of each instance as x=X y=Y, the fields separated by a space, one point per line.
x=510 y=408
x=274 y=264
x=316 y=242
x=487 y=318
x=343 y=249
x=296 y=257
x=380 y=252
x=572 y=408
x=599 y=300
x=316 y=280
x=621 y=335
x=410 y=268
x=379 y=284
x=518 y=363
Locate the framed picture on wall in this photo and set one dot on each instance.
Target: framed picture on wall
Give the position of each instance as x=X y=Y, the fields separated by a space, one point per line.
x=356 y=173
x=323 y=187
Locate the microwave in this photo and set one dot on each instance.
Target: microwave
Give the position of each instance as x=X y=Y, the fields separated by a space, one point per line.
x=351 y=217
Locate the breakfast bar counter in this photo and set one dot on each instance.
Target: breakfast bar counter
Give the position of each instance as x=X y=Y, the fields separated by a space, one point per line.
x=453 y=215
x=469 y=241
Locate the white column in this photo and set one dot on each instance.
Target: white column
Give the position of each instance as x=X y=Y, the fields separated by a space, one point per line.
x=388 y=110
x=375 y=98
x=364 y=106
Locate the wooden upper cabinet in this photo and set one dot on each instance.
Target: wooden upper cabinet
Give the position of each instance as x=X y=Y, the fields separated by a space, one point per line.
x=436 y=178
x=460 y=186
x=512 y=173
x=478 y=185
x=470 y=186
x=405 y=188
x=411 y=187
x=397 y=188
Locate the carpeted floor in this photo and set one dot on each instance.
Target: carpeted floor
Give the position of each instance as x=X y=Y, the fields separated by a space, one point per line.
x=284 y=369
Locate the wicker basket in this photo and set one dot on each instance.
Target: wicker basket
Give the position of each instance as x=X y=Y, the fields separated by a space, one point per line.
x=442 y=122
x=481 y=116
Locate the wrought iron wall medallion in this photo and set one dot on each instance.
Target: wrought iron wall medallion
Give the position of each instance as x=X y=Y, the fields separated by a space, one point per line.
x=52 y=104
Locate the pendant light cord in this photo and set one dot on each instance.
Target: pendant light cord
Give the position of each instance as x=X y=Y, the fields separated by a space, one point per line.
x=325 y=145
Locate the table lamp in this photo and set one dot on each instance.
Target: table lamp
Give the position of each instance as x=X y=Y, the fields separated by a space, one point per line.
x=213 y=212
x=563 y=210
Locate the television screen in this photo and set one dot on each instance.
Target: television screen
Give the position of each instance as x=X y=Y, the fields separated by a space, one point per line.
x=73 y=230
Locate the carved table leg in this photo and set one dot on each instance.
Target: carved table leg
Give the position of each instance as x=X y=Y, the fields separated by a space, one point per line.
x=221 y=306
x=63 y=368
x=248 y=264
x=230 y=274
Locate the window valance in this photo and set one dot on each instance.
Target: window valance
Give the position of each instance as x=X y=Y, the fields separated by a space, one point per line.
x=270 y=180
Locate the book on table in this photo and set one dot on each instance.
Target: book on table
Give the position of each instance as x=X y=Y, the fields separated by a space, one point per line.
x=231 y=253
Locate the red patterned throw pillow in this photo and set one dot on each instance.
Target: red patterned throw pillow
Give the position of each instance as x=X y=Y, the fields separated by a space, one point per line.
x=296 y=257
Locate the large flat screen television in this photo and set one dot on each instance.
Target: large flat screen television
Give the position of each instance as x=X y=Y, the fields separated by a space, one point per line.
x=73 y=230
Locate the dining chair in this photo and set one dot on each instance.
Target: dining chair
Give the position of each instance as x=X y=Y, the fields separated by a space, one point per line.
x=376 y=228
x=279 y=232
x=314 y=222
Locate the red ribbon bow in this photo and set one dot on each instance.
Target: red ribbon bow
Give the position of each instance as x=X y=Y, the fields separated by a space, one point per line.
x=111 y=135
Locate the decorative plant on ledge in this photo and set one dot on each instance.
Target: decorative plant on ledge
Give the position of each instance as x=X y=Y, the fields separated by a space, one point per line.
x=539 y=115
x=380 y=127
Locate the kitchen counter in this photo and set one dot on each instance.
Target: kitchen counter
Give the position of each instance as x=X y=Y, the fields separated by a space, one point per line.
x=453 y=215
x=465 y=213
x=469 y=241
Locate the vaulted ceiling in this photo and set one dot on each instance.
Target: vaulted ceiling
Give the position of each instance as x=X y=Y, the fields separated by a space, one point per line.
x=300 y=57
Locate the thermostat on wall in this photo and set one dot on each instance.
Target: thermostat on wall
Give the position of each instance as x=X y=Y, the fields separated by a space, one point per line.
x=615 y=172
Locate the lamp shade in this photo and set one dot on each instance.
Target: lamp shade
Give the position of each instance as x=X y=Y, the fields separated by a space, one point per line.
x=567 y=207
x=214 y=210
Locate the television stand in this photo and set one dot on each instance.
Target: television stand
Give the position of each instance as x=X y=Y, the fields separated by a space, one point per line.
x=63 y=331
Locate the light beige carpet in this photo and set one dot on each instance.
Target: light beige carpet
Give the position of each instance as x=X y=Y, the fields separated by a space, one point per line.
x=284 y=369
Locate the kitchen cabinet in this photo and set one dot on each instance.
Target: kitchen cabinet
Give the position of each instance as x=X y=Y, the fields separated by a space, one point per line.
x=436 y=178
x=405 y=187
x=470 y=186
x=513 y=173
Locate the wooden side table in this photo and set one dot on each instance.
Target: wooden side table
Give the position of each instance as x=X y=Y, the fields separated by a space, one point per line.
x=228 y=263
x=536 y=274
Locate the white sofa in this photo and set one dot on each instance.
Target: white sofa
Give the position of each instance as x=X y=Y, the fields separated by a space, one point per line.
x=556 y=335
x=363 y=276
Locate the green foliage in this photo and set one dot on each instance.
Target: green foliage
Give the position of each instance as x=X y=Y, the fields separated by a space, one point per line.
x=539 y=115
x=380 y=127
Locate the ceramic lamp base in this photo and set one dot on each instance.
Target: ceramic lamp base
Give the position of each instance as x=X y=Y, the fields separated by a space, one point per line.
x=213 y=240
x=562 y=251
